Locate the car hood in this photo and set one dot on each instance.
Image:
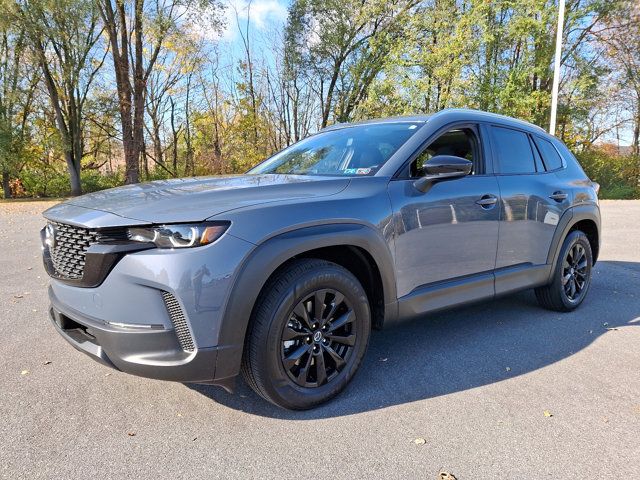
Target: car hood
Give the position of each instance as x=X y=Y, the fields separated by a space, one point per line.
x=190 y=199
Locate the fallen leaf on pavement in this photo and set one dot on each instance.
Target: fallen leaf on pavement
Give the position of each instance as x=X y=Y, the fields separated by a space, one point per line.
x=47 y=362
x=131 y=434
x=547 y=413
x=444 y=475
x=24 y=372
x=419 y=441
x=17 y=295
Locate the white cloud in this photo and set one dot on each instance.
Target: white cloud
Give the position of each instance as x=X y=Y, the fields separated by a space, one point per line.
x=263 y=15
x=260 y=13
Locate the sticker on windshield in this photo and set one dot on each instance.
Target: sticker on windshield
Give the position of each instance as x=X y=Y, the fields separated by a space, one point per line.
x=363 y=171
x=350 y=171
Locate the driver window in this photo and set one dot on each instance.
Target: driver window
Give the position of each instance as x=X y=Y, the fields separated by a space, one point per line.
x=460 y=142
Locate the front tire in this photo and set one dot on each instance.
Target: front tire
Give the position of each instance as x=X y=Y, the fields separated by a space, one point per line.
x=308 y=334
x=571 y=276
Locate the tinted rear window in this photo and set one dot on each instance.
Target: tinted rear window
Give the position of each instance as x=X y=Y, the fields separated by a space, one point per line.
x=550 y=155
x=513 y=150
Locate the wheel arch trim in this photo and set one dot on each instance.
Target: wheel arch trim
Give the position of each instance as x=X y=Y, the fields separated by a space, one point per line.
x=268 y=256
x=569 y=219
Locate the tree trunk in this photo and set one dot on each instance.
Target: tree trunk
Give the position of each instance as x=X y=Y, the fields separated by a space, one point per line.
x=155 y=138
x=68 y=132
x=635 y=143
x=190 y=164
x=74 y=175
x=6 y=188
x=139 y=87
x=120 y=55
x=175 y=139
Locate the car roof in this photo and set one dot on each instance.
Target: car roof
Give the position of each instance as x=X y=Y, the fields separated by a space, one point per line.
x=448 y=115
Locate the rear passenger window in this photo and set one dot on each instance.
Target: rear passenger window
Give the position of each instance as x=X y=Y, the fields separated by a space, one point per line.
x=513 y=150
x=549 y=154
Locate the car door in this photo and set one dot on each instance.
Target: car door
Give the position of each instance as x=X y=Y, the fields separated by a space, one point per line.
x=532 y=201
x=451 y=231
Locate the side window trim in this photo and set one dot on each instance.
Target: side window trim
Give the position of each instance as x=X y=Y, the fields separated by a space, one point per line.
x=537 y=156
x=490 y=162
x=403 y=172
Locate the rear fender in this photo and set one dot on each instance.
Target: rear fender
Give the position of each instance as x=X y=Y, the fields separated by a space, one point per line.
x=572 y=216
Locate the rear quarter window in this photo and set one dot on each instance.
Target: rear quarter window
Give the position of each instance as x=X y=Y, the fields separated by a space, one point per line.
x=550 y=155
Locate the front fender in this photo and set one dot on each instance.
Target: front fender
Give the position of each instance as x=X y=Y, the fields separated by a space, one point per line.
x=265 y=259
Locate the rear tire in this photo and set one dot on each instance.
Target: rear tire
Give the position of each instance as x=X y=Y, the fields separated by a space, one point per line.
x=308 y=334
x=571 y=275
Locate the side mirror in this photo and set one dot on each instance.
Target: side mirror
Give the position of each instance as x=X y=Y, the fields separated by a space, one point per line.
x=442 y=167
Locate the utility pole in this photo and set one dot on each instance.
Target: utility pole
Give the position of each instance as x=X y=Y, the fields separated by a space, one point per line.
x=556 y=69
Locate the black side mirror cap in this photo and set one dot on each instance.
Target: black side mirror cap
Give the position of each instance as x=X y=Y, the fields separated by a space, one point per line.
x=443 y=167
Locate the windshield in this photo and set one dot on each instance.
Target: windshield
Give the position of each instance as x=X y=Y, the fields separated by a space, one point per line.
x=357 y=150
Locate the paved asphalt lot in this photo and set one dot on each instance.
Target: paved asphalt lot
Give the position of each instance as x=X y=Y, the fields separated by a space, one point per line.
x=474 y=383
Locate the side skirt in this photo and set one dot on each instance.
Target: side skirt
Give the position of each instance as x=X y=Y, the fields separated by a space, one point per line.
x=521 y=277
x=470 y=289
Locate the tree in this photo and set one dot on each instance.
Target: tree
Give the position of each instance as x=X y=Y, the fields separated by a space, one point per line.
x=621 y=38
x=343 y=45
x=137 y=33
x=17 y=84
x=64 y=35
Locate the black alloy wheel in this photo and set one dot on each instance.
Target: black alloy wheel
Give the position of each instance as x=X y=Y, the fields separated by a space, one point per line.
x=574 y=272
x=571 y=276
x=308 y=334
x=318 y=338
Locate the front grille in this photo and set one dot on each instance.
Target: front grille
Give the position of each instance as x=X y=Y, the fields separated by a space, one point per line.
x=69 y=249
x=179 y=322
x=71 y=243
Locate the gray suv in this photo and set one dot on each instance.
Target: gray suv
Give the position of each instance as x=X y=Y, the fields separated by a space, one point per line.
x=281 y=273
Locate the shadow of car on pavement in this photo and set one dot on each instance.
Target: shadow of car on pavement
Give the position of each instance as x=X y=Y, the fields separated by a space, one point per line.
x=468 y=347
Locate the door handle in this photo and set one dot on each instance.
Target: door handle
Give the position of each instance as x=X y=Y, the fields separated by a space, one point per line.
x=558 y=196
x=487 y=201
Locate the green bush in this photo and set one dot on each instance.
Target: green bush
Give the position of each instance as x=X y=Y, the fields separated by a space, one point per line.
x=618 y=176
x=45 y=183
x=50 y=183
x=92 y=180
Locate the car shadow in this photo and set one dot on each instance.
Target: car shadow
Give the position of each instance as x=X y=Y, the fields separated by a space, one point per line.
x=467 y=347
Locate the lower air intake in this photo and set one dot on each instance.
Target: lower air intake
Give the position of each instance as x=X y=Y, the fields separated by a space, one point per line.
x=179 y=322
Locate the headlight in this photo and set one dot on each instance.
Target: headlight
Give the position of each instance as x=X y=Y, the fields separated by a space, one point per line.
x=179 y=236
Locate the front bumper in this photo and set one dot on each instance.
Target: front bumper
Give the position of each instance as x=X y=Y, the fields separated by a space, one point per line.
x=125 y=324
x=152 y=353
